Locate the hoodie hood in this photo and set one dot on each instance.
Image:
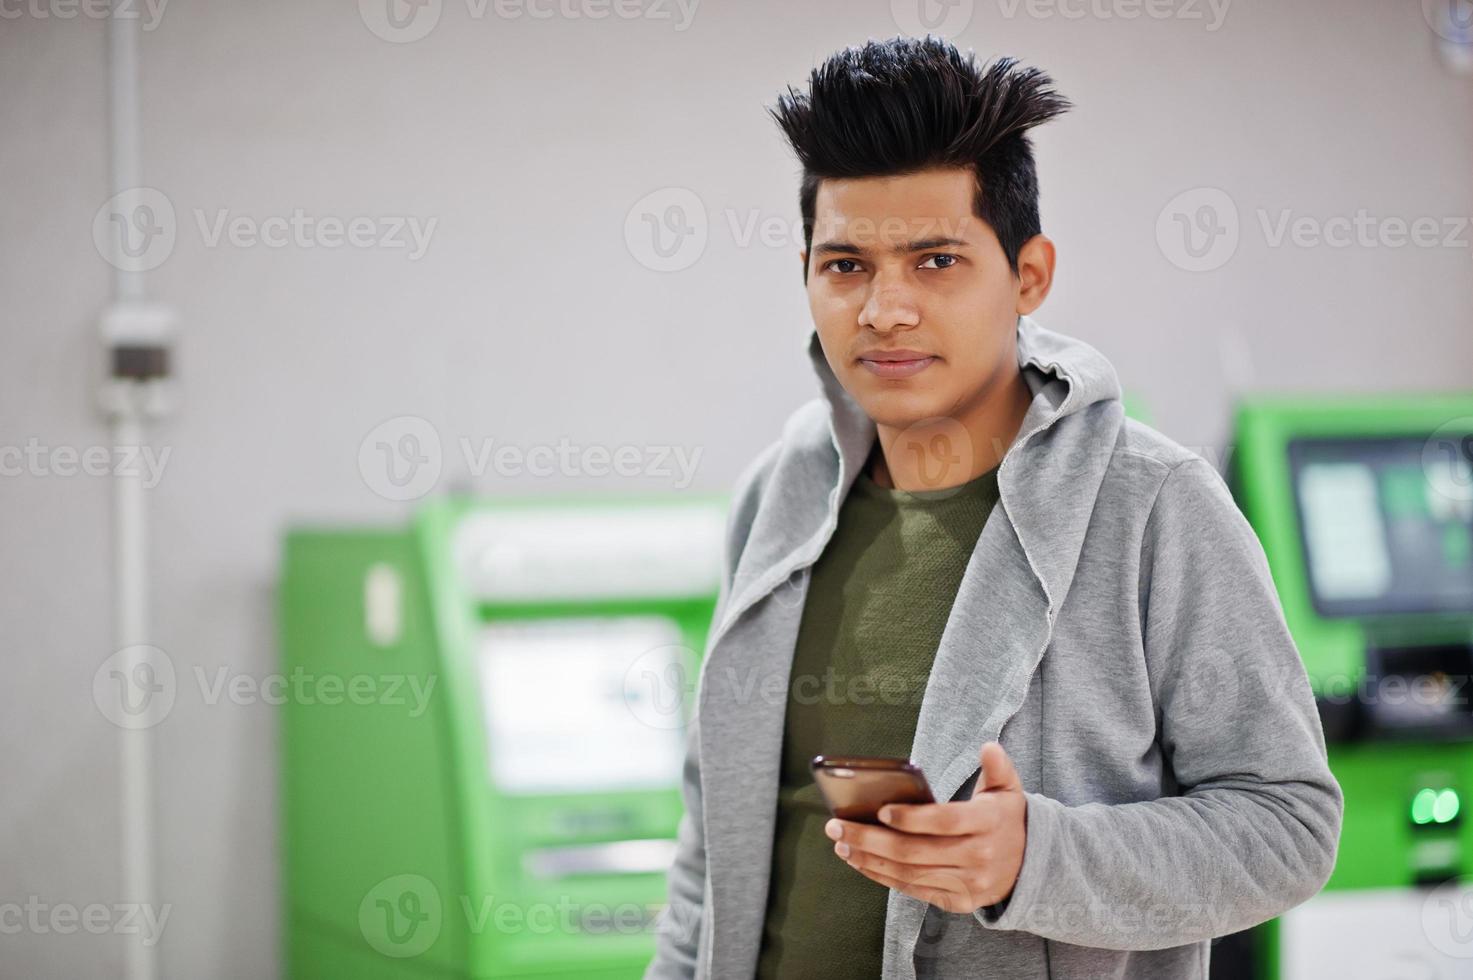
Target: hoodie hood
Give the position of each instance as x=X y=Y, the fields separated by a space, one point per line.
x=1068 y=373
x=1050 y=474
x=1048 y=479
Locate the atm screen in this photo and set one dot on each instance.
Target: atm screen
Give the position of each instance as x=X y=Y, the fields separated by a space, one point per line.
x=1387 y=524
x=585 y=704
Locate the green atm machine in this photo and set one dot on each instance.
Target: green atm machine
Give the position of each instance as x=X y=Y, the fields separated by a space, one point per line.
x=1365 y=511
x=483 y=732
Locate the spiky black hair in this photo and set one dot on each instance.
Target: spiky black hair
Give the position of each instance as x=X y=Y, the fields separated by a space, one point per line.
x=910 y=104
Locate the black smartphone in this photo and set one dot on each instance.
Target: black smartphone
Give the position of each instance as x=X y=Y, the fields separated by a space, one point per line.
x=856 y=786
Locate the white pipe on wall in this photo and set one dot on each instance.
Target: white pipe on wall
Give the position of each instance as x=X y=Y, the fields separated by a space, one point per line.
x=130 y=585
x=123 y=153
x=130 y=553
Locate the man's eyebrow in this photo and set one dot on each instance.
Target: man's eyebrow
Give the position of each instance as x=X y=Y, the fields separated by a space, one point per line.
x=922 y=245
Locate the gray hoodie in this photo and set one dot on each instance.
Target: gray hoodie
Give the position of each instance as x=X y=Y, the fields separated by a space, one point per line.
x=1116 y=629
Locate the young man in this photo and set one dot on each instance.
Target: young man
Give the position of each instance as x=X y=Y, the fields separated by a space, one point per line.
x=964 y=553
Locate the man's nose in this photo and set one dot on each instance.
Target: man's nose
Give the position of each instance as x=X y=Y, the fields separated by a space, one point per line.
x=891 y=305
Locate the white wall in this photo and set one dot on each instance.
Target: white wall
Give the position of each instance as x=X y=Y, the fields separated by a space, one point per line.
x=528 y=320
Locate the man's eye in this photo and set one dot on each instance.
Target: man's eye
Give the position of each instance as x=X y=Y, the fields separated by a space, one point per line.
x=837 y=262
x=949 y=261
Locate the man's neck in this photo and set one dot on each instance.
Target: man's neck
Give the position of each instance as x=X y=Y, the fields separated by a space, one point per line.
x=946 y=452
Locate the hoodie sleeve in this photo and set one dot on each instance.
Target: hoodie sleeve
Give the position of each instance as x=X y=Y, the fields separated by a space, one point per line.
x=1255 y=827
x=678 y=929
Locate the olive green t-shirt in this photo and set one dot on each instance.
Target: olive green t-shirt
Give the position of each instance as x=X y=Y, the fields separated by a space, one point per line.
x=879 y=598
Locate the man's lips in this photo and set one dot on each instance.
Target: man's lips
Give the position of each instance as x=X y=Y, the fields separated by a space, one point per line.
x=896 y=363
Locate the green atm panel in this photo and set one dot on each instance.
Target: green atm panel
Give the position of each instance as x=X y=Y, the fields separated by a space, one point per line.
x=483 y=780
x=1365 y=511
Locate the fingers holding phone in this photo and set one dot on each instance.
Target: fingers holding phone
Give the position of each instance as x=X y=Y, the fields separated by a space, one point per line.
x=959 y=856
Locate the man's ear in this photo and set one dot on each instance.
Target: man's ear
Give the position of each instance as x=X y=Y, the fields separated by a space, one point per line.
x=1035 y=273
x=804 y=256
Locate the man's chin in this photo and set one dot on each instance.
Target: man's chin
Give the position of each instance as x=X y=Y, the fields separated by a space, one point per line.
x=899 y=409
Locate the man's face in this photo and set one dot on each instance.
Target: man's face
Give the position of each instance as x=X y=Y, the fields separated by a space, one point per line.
x=911 y=293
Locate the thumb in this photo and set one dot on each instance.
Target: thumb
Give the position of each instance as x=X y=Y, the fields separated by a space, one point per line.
x=998 y=773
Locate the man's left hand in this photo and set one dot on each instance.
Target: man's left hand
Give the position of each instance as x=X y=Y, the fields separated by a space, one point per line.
x=958 y=856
